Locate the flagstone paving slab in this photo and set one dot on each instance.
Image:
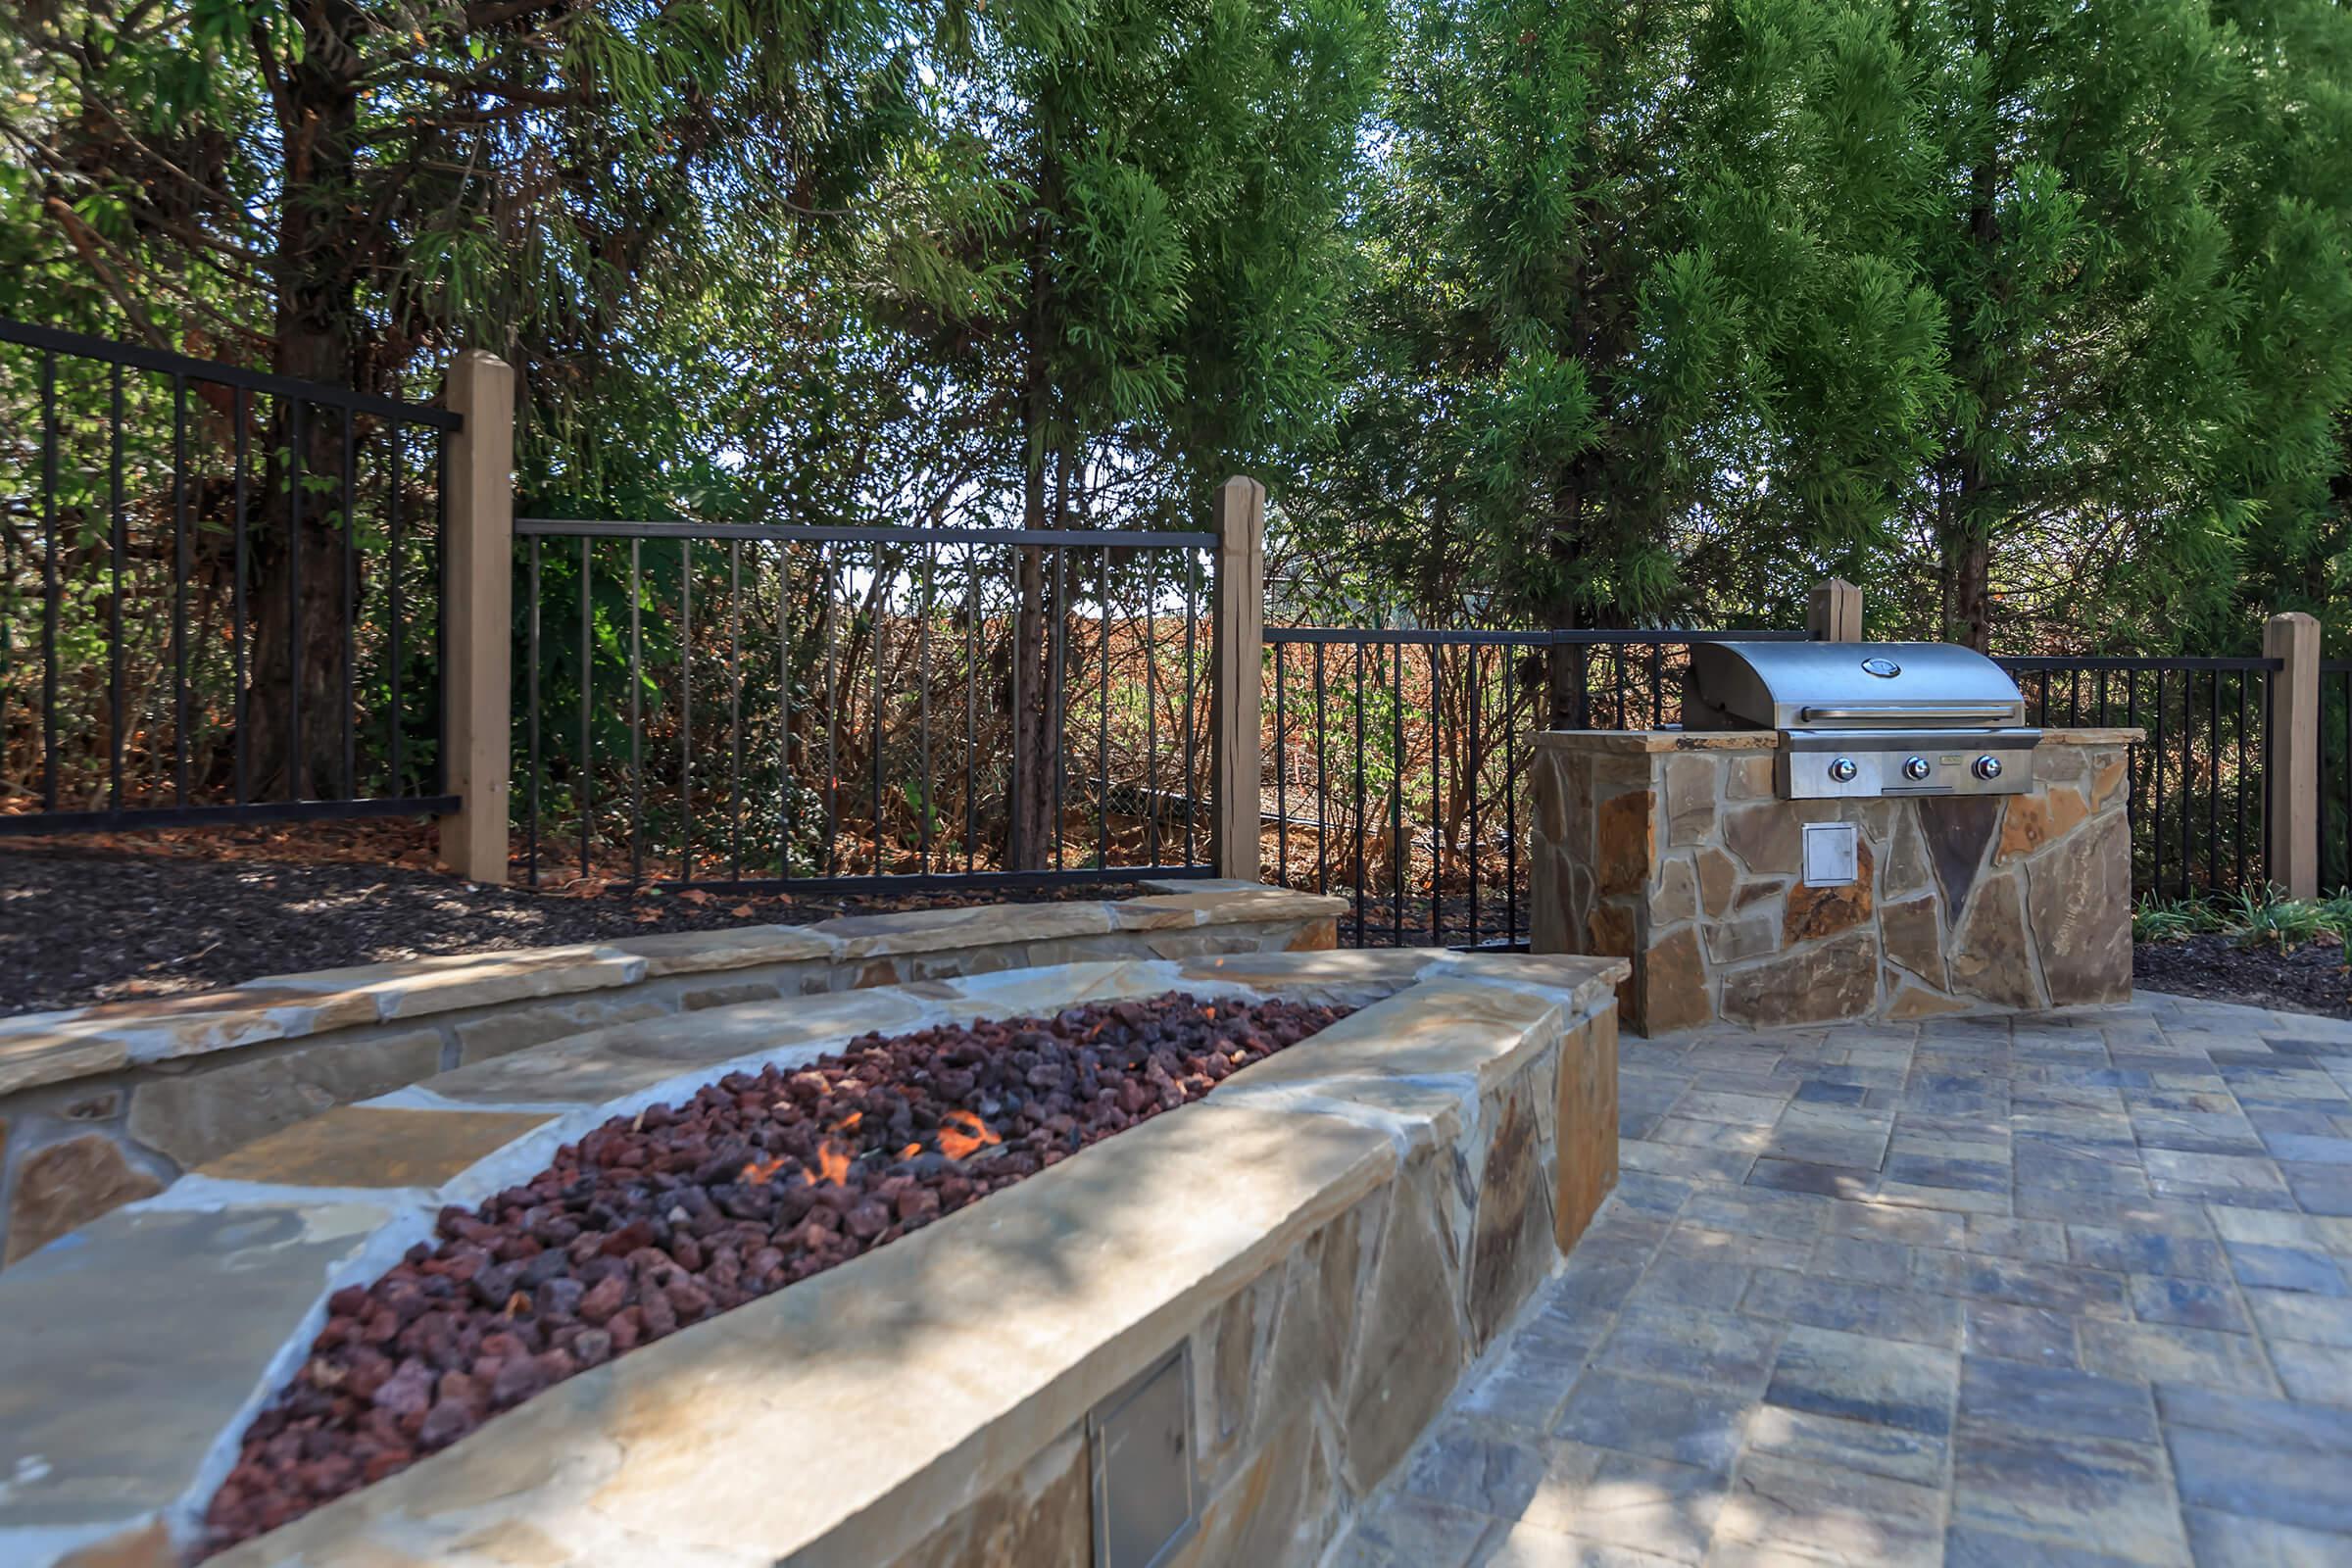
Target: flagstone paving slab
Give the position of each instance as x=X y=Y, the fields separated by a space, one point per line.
x=2060 y=1291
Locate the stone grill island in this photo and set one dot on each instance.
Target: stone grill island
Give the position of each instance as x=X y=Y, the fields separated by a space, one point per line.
x=1206 y=1338
x=1677 y=851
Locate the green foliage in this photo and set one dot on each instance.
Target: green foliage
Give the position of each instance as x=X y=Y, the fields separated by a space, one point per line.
x=2035 y=320
x=2254 y=917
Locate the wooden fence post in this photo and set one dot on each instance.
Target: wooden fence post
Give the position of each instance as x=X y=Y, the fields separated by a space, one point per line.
x=2292 y=782
x=1835 y=613
x=1238 y=635
x=479 y=614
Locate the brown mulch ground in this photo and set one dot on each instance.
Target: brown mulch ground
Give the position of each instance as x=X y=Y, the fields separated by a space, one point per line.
x=108 y=919
x=2310 y=979
x=651 y=1223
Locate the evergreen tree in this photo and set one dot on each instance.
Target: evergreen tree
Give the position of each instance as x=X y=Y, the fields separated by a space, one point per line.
x=1636 y=297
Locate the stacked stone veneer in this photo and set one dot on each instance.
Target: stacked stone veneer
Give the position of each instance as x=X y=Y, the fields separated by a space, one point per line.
x=1332 y=1234
x=1672 y=850
x=102 y=1105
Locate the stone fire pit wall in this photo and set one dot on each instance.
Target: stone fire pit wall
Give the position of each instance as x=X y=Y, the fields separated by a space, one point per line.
x=1332 y=1234
x=105 y=1104
x=1670 y=849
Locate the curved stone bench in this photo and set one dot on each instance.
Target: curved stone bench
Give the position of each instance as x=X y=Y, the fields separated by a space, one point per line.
x=1331 y=1235
x=102 y=1105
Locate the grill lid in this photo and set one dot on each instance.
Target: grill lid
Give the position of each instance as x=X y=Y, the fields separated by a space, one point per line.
x=1859 y=686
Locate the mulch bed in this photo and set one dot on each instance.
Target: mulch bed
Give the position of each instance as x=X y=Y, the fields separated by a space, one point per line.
x=651 y=1223
x=85 y=924
x=2310 y=979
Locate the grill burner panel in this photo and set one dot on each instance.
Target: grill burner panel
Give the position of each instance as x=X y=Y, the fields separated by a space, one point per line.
x=1869 y=719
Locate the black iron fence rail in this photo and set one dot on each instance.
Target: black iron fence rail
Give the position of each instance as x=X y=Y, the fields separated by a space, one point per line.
x=219 y=596
x=1408 y=749
x=2197 y=804
x=837 y=709
x=2336 y=775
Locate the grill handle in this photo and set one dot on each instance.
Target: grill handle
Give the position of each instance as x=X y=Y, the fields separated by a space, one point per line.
x=1995 y=712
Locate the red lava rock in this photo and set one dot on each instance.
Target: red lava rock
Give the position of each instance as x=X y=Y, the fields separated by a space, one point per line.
x=407 y=1392
x=604 y=1298
x=653 y=1222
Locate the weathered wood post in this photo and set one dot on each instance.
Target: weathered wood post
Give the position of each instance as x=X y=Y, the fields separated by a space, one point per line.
x=1835 y=613
x=477 y=614
x=2291 y=778
x=1238 y=635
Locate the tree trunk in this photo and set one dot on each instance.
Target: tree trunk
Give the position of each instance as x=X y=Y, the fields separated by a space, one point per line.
x=296 y=712
x=1566 y=664
x=1965 y=551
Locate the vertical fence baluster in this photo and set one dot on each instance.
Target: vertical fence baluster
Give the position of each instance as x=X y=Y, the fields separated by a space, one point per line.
x=1436 y=806
x=2213 y=780
x=2156 y=790
x=1360 y=801
x=50 y=590
x=929 y=802
x=783 y=565
x=735 y=708
x=2240 y=835
x=348 y=721
x=1398 y=856
x=1056 y=713
x=1150 y=710
x=971 y=711
x=784 y=710
x=397 y=717
x=1191 y=584
x=636 y=713
x=180 y=587
x=824 y=561
x=587 y=775
x=878 y=598
x=1103 y=732
x=1281 y=779
x=1322 y=782
x=296 y=771
x=241 y=412
x=117 y=547
x=530 y=815
x=1511 y=808
x=685 y=710
x=1475 y=774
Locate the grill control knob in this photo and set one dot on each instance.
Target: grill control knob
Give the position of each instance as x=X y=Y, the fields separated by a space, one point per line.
x=1986 y=767
x=1915 y=768
x=1843 y=770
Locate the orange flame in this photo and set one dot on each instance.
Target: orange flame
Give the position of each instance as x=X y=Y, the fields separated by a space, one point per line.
x=833 y=1162
x=911 y=1151
x=759 y=1170
x=960 y=1133
x=849 y=1122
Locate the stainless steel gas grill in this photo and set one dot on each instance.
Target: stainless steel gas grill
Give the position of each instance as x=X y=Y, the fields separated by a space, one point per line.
x=1869 y=719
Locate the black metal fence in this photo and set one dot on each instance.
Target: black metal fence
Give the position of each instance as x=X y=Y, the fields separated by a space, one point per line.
x=2198 y=811
x=743 y=706
x=2336 y=775
x=1398 y=762
x=219 y=592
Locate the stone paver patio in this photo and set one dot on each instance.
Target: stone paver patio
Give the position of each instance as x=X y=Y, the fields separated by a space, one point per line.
x=2058 y=1292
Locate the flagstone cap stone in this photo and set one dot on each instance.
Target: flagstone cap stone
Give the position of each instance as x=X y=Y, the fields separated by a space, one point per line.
x=135 y=1352
x=48 y=1048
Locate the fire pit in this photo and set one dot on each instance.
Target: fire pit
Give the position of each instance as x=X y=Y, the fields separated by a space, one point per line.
x=655 y=1221
x=719 y=1287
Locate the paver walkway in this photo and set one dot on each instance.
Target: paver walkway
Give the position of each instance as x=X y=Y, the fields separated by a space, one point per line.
x=2059 y=1292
